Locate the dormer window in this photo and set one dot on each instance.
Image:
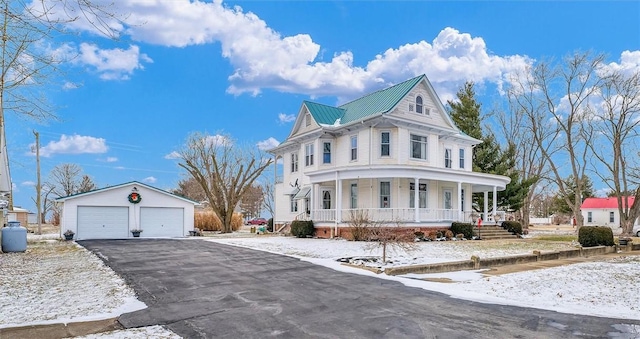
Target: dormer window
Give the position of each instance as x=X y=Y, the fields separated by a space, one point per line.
x=419 y=104
x=307 y=119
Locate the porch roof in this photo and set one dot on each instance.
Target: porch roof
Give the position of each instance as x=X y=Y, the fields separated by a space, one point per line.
x=480 y=182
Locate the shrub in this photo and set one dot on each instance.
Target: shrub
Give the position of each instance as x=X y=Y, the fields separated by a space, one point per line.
x=459 y=236
x=462 y=228
x=439 y=234
x=512 y=226
x=419 y=235
x=302 y=228
x=590 y=236
x=270 y=225
x=433 y=235
x=448 y=234
x=209 y=221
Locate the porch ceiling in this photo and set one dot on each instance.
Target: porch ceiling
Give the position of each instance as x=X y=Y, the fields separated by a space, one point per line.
x=480 y=182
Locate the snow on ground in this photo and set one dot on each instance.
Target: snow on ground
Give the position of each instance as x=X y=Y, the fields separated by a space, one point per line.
x=607 y=289
x=57 y=281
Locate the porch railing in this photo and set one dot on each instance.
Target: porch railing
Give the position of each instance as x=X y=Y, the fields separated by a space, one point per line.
x=389 y=215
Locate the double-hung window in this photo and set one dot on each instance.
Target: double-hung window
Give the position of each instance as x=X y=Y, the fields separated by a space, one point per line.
x=385 y=194
x=385 y=144
x=294 y=162
x=326 y=152
x=461 y=158
x=422 y=195
x=418 y=147
x=589 y=217
x=612 y=217
x=308 y=155
x=447 y=158
x=354 y=196
x=419 y=104
x=354 y=147
x=293 y=204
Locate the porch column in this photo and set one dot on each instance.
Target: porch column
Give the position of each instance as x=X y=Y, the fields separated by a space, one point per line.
x=495 y=201
x=460 y=207
x=486 y=206
x=416 y=199
x=338 y=201
x=312 y=200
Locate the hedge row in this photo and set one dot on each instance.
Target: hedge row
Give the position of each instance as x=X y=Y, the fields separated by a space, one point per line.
x=462 y=228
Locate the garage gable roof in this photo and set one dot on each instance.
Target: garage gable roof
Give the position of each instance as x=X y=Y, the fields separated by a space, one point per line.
x=131 y=183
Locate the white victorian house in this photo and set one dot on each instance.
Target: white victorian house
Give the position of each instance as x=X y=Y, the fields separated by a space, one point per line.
x=394 y=154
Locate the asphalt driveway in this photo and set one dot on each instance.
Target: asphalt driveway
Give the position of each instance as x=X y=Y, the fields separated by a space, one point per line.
x=202 y=289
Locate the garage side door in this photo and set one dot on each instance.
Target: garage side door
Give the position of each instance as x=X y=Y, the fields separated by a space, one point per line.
x=100 y=222
x=161 y=222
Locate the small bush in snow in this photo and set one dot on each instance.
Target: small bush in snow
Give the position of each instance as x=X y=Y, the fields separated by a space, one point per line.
x=590 y=236
x=302 y=228
x=512 y=226
x=462 y=228
x=448 y=234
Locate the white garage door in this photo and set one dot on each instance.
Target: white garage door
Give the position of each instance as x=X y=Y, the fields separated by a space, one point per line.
x=100 y=222
x=161 y=222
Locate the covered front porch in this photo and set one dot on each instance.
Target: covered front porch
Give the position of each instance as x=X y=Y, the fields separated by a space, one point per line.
x=407 y=196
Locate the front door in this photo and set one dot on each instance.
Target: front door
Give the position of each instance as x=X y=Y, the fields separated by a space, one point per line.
x=448 y=204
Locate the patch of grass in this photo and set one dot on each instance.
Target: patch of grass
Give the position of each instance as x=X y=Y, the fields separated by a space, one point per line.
x=557 y=237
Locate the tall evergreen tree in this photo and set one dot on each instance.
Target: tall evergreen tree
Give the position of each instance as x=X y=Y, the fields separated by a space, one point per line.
x=488 y=156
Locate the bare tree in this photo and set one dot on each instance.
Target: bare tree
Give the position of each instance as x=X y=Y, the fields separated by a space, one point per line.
x=191 y=189
x=224 y=170
x=616 y=122
x=380 y=234
x=251 y=202
x=555 y=101
x=65 y=179
x=268 y=203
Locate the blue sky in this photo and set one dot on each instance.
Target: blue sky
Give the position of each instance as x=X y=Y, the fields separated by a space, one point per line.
x=244 y=67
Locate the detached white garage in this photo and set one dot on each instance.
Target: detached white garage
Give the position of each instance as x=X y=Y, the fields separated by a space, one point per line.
x=113 y=212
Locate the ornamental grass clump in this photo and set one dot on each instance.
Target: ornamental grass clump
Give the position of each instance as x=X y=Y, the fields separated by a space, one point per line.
x=209 y=221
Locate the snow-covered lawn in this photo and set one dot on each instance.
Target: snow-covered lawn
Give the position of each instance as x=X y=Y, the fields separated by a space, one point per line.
x=57 y=281
x=608 y=289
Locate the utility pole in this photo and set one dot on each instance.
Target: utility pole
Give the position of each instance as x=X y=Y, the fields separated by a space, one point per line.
x=38 y=185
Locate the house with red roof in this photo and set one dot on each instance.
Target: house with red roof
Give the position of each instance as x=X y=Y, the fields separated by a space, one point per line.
x=603 y=211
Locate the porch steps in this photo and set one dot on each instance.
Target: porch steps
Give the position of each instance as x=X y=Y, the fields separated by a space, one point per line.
x=493 y=232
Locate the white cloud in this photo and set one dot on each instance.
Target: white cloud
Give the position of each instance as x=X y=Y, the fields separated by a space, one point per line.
x=216 y=140
x=285 y=118
x=112 y=64
x=629 y=63
x=149 y=180
x=70 y=85
x=172 y=155
x=268 y=144
x=74 y=144
x=263 y=58
x=28 y=183
x=111 y=159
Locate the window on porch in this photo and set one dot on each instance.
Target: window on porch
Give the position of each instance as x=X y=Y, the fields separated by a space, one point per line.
x=385 y=194
x=354 y=196
x=293 y=203
x=422 y=195
x=326 y=200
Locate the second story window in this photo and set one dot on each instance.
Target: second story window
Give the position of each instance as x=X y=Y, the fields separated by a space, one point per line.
x=326 y=152
x=385 y=144
x=461 y=158
x=447 y=158
x=354 y=147
x=294 y=162
x=308 y=155
x=418 y=147
x=419 y=104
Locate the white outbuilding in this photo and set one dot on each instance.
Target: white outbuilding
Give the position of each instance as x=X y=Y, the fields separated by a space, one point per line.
x=114 y=212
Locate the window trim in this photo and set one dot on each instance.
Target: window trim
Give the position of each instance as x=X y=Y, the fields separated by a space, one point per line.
x=388 y=196
x=421 y=192
x=461 y=154
x=294 y=162
x=308 y=154
x=589 y=216
x=419 y=105
x=425 y=143
x=293 y=204
x=612 y=216
x=324 y=153
x=388 y=144
x=448 y=162
x=353 y=150
x=353 y=195
x=325 y=194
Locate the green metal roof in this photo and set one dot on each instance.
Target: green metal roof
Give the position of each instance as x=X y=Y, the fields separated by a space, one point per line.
x=378 y=102
x=324 y=114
